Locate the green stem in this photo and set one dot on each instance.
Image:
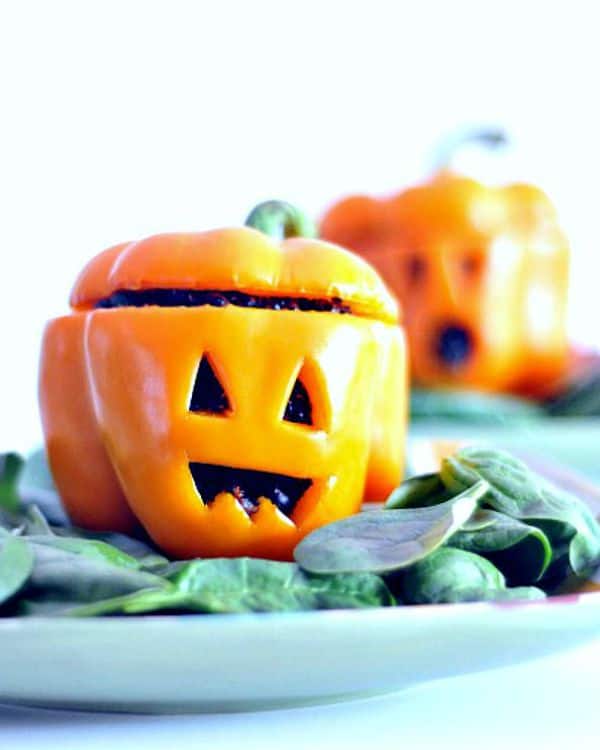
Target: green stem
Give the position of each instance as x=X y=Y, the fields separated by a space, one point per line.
x=279 y=219
x=488 y=138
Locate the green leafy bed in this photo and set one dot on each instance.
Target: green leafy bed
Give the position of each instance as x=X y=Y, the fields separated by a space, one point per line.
x=578 y=396
x=484 y=528
x=472 y=406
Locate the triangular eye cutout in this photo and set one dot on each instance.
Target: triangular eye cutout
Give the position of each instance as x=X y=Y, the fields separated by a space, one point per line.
x=299 y=408
x=208 y=395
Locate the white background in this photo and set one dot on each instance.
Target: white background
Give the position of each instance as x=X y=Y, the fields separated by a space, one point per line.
x=121 y=119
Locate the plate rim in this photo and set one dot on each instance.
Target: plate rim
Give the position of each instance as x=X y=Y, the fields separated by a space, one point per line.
x=445 y=610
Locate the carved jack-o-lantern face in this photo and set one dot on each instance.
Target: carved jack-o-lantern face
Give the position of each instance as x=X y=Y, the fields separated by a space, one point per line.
x=232 y=393
x=482 y=275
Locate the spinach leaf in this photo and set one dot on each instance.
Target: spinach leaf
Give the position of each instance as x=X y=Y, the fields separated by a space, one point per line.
x=235 y=585
x=573 y=584
x=145 y=555
x=63 y=576
x=43 y=514
x=516 y=593
x=254 y=585
x=522 y=552
x=11 y=523
x=16 y=565
x=419 y=492
x=142 y=602
x=37 y=486
x=581 y=396
x=381 y=541
x=454 y=575
x=519 y=493
x=27 y=519
x=169 y=569
x=10 y=468
x=35 y=522
x=471 y=406
x=90 y=548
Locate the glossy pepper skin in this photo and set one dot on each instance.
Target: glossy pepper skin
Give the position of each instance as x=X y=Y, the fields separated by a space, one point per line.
x=482 y=275
x=116 y=385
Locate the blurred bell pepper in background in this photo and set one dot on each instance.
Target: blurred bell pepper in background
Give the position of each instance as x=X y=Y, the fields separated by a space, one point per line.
x=482 y=275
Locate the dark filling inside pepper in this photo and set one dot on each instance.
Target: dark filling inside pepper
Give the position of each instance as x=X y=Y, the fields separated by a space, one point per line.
x=200 y=297
x=248 y=485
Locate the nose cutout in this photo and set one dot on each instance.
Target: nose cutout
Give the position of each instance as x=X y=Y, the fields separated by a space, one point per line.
x=454 y=346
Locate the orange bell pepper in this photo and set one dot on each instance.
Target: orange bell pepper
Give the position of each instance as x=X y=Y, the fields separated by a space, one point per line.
x=482 y=275
x=228 y=391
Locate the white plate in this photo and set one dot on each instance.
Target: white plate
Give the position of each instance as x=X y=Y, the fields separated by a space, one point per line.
x=243 y=662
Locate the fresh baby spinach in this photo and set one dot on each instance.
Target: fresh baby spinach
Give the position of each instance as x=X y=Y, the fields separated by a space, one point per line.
x=16 y=565
x=382 y=541
x=10 y=467
x=236 y=585
x=517 y=492
x=419 y=492
x=484 y=528
x=454 y=575
x=522 y=552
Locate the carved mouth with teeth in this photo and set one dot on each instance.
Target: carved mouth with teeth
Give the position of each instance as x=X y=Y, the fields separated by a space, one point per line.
x=249 y=486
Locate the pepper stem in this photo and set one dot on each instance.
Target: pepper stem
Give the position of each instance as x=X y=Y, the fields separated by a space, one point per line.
x=488 y=138
x=280 y=220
